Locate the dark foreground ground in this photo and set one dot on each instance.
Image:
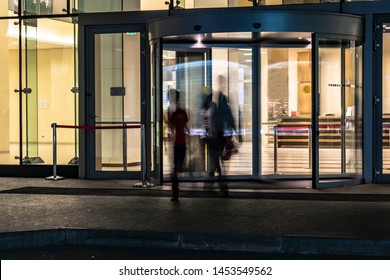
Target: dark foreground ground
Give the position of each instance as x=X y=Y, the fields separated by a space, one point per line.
x=77 y=252
x=110 y=219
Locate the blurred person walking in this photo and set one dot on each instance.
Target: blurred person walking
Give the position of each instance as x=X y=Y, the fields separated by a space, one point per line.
x=178 y=121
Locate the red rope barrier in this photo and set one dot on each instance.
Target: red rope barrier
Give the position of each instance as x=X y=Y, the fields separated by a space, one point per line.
x=89 y=127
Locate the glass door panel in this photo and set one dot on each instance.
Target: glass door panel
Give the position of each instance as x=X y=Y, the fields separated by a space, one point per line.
x=117 y=102
x=353 y=109
x=232 y=77
x=339 y=104
x=184 y=81
x=286 y=110
x=201 y=78
x=331 y=129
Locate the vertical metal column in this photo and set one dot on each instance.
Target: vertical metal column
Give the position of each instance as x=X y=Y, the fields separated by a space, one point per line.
x=54 y=176
x=124 y=155
x=343 y=123
x=275 y=149
x=315 y=111
x=143 y=182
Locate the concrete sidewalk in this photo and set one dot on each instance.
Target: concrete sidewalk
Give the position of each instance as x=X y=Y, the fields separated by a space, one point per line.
x=271 y=218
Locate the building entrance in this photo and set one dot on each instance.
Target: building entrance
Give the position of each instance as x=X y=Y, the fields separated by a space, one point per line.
x=294 y=101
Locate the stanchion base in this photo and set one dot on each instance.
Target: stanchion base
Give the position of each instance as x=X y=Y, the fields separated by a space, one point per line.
x=55 y=178
x=143 y=185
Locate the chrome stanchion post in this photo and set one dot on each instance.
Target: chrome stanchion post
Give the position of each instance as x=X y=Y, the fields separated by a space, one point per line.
x=275 y=149
x=54 y=176
x=143 y=183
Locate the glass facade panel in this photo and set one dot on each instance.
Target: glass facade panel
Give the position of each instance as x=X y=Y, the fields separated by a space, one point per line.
x=8 y=8
x=50 y=63
x=50 y=95
x=89 y=6
x=117 y=101
x=30 y=87
x=61 y=6
x=386 y=99
x=37 y=7
x=49 y=7
x=49 y=89
x=9 y=100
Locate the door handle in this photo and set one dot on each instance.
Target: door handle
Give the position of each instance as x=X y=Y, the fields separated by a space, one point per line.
x=92 y=116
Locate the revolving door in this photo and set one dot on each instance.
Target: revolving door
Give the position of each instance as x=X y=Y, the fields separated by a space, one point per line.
x=294 y=96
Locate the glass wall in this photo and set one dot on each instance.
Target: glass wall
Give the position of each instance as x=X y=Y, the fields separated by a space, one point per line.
x=47 y=94
x=9 y=100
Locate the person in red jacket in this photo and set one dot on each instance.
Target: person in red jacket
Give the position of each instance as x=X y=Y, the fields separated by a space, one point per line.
x=178 y=121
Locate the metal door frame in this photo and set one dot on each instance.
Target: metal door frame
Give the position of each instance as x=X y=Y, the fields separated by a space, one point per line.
x=378 y=175
x=87 y=101
x=341 y=180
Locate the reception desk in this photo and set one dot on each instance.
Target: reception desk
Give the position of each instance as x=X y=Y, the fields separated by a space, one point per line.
x=296 y=132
